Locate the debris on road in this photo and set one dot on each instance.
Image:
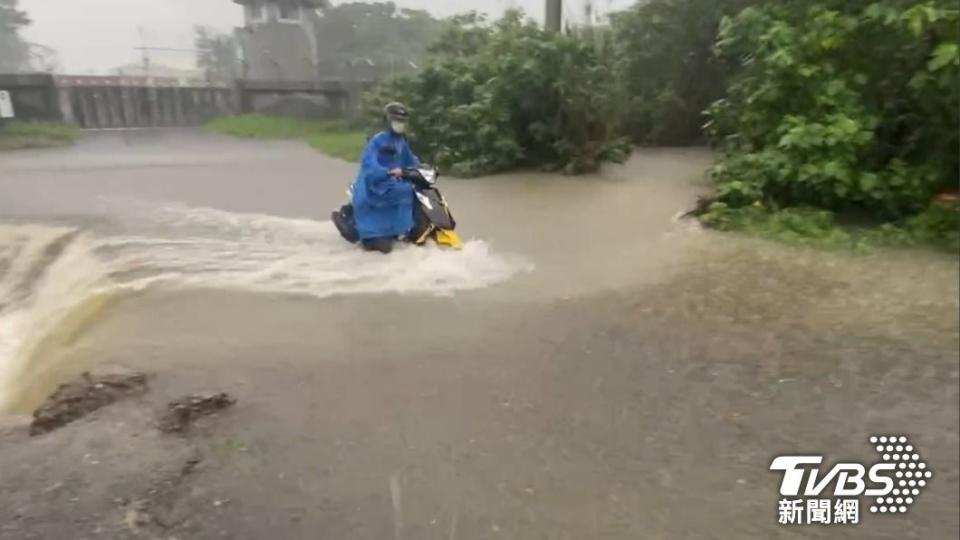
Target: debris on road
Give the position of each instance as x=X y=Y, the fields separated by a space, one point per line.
x=180 y=413
x=76 y=399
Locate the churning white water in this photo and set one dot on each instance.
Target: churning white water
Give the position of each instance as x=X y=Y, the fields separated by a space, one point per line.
x=55 y=277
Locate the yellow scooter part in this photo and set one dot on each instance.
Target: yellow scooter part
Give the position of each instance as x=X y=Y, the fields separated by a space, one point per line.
x=447 y=238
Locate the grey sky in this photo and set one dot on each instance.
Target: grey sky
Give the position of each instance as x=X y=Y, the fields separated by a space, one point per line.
x=97 y=35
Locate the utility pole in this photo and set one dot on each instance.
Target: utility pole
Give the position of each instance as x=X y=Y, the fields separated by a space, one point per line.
x=554 y=15
x=145 y=54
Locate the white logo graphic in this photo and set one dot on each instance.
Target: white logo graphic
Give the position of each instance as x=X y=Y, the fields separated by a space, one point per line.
x=896 y=481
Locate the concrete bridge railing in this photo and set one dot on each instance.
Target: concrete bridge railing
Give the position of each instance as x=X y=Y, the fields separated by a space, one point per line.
x=106 y=102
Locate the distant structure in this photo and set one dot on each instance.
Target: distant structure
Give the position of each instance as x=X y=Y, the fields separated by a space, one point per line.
x=278 y=40
x=187 y=75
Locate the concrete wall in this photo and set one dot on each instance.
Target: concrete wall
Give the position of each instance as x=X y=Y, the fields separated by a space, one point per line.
x=115 y=102
x=300 y=99
x=126 y=102
x=278 y=50
x=126 y=107
x=34 y=96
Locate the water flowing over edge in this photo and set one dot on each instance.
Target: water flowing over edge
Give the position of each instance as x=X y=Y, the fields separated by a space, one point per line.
x=53 y=280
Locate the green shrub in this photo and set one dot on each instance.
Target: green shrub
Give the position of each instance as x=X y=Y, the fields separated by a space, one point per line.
x=511 y=95
x=936 y=227
x=840 y=104
x=667 y=67
x=796 y=226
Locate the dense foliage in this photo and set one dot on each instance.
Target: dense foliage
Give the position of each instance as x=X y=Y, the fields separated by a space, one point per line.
x=667 y=66
x=937 y=227
x=512 y=95
x=840 y=104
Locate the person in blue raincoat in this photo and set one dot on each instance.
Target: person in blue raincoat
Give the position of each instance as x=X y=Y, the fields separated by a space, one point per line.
x=382 y=202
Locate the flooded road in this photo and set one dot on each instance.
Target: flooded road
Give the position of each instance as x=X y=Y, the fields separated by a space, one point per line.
x=586 y=368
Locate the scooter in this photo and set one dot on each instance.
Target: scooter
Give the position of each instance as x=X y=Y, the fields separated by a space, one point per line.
x=432 y=219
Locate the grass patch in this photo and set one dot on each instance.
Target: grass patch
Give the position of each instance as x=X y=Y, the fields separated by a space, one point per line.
x=336 y=138
x=937 y=228
x=347 y=145
x=18 y=135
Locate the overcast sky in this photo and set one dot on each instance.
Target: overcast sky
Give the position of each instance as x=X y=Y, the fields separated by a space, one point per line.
x=98 y=35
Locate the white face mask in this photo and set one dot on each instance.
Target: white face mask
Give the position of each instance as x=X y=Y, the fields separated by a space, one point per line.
x=398 y=127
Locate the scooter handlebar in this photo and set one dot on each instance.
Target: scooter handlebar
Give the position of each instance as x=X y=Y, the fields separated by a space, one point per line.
x=416 y=177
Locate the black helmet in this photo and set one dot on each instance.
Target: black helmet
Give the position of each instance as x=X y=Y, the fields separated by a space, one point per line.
x=396 y=112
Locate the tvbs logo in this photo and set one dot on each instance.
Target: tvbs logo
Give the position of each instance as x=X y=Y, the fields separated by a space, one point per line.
x=812 y=495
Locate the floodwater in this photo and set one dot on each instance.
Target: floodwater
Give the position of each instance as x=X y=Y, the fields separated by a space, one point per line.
x=178 y=210
x=587 y=367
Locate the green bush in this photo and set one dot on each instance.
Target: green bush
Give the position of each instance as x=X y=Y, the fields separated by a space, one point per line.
x=840 y=104
x=511 y=95
x=667 y=67
x=796 y=226
x=936 y=227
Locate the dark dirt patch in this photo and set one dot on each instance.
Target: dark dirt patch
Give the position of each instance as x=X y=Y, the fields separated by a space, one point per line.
x=78 y=398
x=180 y=413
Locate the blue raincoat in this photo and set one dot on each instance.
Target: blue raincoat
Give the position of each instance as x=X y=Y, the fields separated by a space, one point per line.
x=382 y=206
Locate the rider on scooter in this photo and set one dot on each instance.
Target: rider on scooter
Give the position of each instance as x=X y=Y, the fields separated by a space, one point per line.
x=383 y=204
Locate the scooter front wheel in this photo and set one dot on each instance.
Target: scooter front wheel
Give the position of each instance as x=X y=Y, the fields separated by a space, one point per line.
x=448 y=238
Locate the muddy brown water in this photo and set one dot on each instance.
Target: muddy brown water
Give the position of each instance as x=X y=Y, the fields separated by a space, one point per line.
x=588 y=368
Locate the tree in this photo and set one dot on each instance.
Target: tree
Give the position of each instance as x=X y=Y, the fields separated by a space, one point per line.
x=667 y=66
x=378 y=34
x=465 y=36
x=14 y=52
x=216 y=54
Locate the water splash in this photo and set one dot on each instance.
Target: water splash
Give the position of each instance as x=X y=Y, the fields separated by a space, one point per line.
x=54 y=279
